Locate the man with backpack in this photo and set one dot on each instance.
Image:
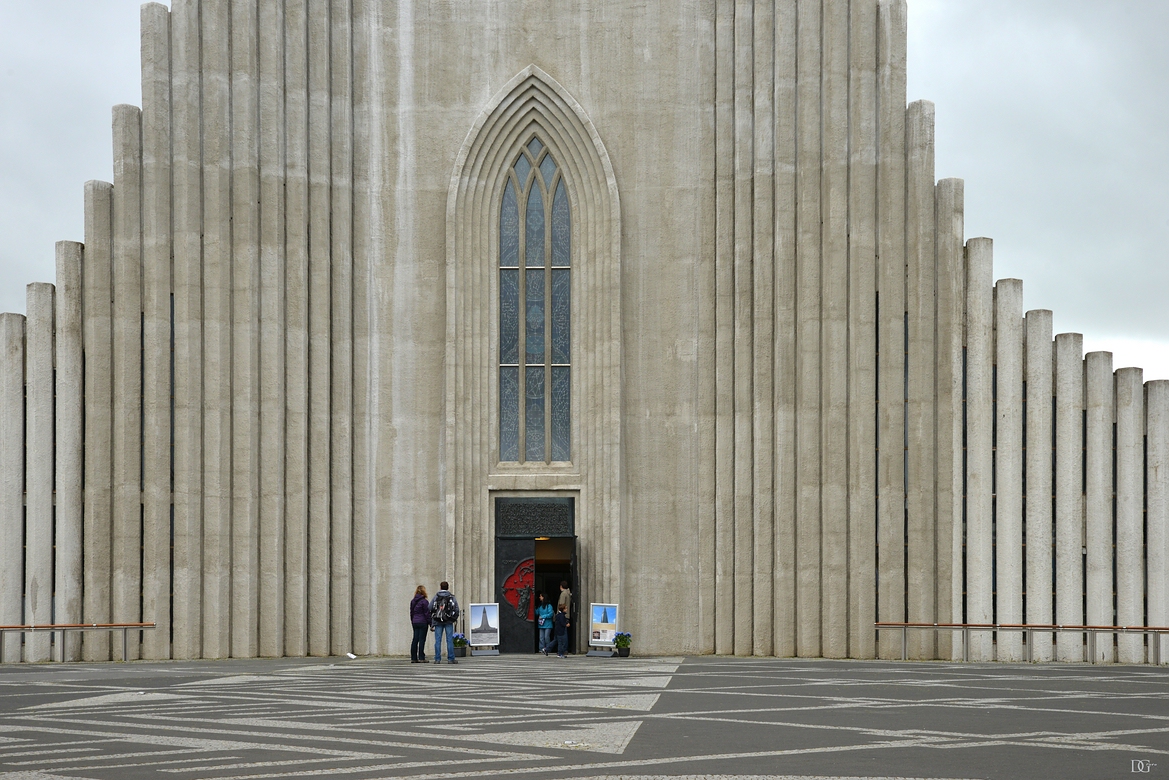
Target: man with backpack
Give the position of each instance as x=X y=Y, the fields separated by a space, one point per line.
x=444 y=611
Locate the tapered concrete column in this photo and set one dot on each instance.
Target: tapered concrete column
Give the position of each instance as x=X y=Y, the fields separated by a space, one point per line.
x=1099 y=402
x=808 y=331
x=296 y=334
x=763 y=335
x=1157 y=507
x=98 y=337
x=743 y=491
x=784 y=582
x=891 y=26
x=1069 y=492
x=217 y=347
x=1008 y=557
x=126 y=561
x=68 y=455
x=1040 y=451
x=1130 y=520
x=11 y=477
x=341 y=338
x=862 y=332
x=156 y=329
x=188 y=351
x=921 y=390
x=950 y=440
x=245 y=332
x=271 y=552
x=38 y=468
x=979 y=444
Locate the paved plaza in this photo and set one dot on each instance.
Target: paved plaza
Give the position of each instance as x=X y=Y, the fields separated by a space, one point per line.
x=581 y=717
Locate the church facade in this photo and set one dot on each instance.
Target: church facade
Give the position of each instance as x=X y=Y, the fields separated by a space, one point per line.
x=659 y=299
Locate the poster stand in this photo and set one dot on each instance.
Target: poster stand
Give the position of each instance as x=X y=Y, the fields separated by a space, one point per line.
x=602 y=653
x=485 y=651
x=602 y=630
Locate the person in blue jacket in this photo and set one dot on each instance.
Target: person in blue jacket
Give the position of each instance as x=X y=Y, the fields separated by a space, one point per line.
x=420 y=620
x=544 y=613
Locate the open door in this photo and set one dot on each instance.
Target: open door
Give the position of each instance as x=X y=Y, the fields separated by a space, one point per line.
x=515 y=589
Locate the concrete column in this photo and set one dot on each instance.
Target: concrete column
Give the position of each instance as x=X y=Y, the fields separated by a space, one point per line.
x=38 y=468
x=188 y=333
x=834 y=410
x=126 y=562
x=951 y=313
x=921 y=390
x=979 y=443
x=1008 y=509
x=1098 y=511
x=320 y=318
x=97 y=334
x=217 y=313
x=156 y=329
x=1130 y=512
x=341 y=489
x=245 y=332
x=1069 y=492
x=11 y=477
x=784 y=475
x=296 y=325
x=808 y=328
x=1157 y=507
x=744 y=169
x=891 y=21
x=271 y=552
x=763 y=331
x=68 y=455
x=1039 y=465
x=724 y=456
x=862 y=332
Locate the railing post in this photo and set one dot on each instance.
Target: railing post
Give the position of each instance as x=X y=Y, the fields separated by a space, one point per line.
x=904 y=633
x=1091 y=646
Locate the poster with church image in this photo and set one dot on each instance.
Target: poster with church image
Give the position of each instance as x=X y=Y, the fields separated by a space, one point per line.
x=602 y=624
x=483 y=620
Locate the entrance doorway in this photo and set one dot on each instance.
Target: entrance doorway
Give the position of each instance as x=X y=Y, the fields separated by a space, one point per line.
x=535 y=550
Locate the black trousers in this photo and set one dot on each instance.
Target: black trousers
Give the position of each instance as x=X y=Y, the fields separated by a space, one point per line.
x=418 y=643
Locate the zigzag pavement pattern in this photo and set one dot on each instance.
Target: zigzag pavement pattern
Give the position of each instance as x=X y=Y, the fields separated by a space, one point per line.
x=584 y=718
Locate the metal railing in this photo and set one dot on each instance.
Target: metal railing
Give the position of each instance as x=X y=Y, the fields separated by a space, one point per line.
x=125 y=628
x=1028 y=630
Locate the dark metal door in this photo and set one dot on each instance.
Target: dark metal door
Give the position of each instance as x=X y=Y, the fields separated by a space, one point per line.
x=515 y=584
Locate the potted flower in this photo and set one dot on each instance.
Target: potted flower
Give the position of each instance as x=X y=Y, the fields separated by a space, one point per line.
x=622 y=640
x=460 y=646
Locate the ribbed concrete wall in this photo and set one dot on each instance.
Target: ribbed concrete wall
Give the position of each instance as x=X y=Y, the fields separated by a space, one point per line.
x=268 y=363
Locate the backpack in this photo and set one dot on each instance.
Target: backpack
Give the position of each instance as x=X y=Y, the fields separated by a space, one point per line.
x=444 y=609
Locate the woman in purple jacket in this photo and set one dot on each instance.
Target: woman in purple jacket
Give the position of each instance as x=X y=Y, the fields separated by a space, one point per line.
x=420 y=618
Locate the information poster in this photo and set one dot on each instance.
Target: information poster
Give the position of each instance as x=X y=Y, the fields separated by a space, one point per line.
x=484 y=622
x=602 y=624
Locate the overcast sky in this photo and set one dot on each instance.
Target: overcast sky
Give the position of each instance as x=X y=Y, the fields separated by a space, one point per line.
x=1053 y=111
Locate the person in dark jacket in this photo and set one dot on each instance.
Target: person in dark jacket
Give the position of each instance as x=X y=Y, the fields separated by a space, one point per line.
x=562 y=625
x=420 y=619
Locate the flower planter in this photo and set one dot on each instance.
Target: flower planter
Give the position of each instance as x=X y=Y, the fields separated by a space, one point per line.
x=460 y=652
x=623 y=652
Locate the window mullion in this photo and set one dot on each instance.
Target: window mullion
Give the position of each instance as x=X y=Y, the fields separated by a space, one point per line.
x=521 y=354
x=548 y=204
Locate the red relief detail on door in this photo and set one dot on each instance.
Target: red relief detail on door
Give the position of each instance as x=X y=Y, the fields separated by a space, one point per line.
x=518 y=588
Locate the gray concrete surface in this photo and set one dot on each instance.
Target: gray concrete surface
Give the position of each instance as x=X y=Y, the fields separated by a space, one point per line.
x=580 y=717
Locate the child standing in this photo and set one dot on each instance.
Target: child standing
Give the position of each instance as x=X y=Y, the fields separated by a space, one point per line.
x=562 y=625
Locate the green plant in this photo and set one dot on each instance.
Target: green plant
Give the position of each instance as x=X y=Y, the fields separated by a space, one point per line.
x=460 y=640
x=622 y=639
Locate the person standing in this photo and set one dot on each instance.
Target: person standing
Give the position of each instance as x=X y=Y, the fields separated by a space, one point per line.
x=420 y=619
x=565 y=599
x=444 y=611
x=544 y=619
x=562 y=625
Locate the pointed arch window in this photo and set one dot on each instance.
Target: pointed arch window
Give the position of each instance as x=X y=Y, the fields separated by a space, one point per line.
x=535 y=360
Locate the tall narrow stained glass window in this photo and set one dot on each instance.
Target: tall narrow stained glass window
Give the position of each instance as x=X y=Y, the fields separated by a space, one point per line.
x=535 y=292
